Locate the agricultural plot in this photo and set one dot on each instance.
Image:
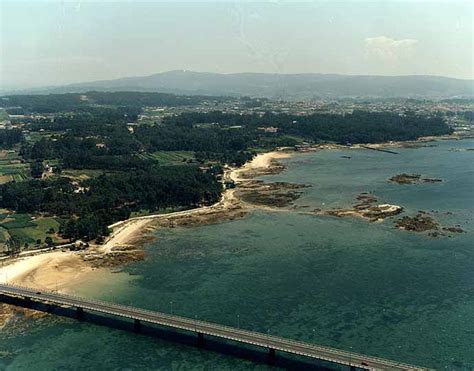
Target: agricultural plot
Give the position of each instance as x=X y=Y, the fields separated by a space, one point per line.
x=35 y=136
x=169 y=157
x=27 y=229
x=84 y=174
x=12 y=168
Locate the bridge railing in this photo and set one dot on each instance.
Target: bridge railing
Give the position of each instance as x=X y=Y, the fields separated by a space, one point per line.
x=190 y=324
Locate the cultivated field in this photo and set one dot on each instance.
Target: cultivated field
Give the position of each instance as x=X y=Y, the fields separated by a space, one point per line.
x=169 y=157
x=11 y=167
x=26 y=229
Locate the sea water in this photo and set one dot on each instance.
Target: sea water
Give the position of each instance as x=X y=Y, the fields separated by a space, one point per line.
x=341 y=282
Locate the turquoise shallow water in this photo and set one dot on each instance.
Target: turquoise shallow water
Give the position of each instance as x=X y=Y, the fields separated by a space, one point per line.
x=339 y=282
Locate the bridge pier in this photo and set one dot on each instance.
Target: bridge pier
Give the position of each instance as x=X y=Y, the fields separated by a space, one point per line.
x=79 y=307
x=271 y=356
x=27 y=302
x=200 y=340
x=79 y=313
x=137 y=326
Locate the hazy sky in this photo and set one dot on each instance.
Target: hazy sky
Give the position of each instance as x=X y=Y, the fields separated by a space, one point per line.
x=57 y=42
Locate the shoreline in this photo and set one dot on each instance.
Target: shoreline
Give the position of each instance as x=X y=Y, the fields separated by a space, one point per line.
x=62 y=270
x=128 y=230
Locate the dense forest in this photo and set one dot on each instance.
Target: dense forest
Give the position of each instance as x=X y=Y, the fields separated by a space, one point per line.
x=72 y=102
x=358 y=127
x=97 y=142
x=93 y=134
x=10 y=137
x=90 y=207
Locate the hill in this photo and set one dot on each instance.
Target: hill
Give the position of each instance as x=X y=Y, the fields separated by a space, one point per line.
x=285 y=86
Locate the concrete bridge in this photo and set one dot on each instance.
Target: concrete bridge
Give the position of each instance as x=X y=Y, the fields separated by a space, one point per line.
x=272 y=344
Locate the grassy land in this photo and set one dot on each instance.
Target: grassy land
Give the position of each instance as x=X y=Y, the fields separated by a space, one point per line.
x=83 y=174
x=11 y=167
x=267 y=144
x=35 y=136
x=26 y=229
x=169 y=157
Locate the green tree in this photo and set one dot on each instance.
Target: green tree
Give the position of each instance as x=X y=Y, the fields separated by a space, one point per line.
x=49 y=241
x=37 y=169
x=13 y=246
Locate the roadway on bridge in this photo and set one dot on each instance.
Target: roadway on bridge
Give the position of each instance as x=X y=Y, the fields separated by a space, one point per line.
x=207 y=328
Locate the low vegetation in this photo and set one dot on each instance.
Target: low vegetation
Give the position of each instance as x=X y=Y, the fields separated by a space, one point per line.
x=12 y=167
x=27 y=230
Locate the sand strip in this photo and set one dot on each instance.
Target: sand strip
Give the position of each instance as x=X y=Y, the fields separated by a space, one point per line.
x=59 y=270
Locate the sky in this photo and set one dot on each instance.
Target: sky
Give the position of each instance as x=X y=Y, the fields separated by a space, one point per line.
x=45 y=43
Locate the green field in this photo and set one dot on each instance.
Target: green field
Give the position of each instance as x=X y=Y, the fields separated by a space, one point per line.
x=11 y=167
x=35 y=136
x=169 y=157
x=266 y=144
x=26 y=229
x=83 y=174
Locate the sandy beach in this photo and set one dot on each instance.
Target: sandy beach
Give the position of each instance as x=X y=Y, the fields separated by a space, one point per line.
x=68 y=271
x=55 y=270
x=61 y=270
x=124 y=233
x=260 y=162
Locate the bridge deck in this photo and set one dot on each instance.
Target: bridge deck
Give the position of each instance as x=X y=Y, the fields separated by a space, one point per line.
x=207 y=328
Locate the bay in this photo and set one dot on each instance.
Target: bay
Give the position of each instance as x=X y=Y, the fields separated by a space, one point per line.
x=341 y=282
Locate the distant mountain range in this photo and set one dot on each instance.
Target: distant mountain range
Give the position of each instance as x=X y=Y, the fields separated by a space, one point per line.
x=285 y=86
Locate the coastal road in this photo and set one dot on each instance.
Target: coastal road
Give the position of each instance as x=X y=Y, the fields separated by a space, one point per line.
x=272 y=343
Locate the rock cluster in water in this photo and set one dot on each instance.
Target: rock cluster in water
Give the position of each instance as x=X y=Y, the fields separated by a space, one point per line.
x=119 y=256
x=417 y=223
x=422 y=222
x=278 y=194
x=412 y=179
x=367 y=207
